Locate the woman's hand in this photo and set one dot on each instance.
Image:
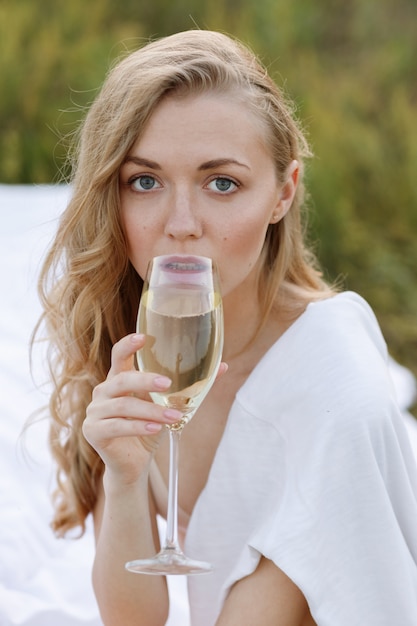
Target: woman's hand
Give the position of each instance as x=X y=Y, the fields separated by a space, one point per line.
x=122 y=423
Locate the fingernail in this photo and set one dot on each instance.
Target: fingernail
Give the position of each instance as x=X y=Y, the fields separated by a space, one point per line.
x=153 y=427
x=162 y=382
x=136 y=338
x=172 y=415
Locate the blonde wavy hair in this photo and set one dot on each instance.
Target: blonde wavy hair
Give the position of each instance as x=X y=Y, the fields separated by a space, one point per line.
x=88 y=288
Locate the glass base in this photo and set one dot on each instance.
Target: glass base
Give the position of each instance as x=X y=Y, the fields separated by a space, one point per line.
x=169 y=562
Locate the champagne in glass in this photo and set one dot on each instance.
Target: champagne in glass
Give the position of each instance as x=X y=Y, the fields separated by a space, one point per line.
x=180 y=313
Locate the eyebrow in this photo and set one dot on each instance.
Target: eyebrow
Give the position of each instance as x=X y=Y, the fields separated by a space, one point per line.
x=211 y=165
x=208 y=165
x=153 y=165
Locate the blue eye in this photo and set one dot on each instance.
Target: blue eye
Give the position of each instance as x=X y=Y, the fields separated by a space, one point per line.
x=144 y=183
x=224 y=185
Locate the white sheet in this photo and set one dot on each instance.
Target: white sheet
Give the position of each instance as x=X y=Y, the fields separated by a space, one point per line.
x=45 y=581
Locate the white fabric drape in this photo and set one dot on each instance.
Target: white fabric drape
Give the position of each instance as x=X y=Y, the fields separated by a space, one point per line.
x=315 y=472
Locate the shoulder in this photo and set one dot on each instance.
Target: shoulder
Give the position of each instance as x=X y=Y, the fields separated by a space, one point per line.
x=331 y=336
x=347 y=312
x=343 y=319
x=330 y=366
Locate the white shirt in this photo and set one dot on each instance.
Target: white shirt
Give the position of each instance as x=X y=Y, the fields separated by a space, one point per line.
x=315 y=472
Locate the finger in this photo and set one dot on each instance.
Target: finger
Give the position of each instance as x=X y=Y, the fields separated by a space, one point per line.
x=132 y=407
x=118 y=428
x=125 y=416
x=223 y=367
x=131 y=382
x=122 y=354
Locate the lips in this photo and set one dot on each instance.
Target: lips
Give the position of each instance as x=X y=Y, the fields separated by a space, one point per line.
x=185 y=264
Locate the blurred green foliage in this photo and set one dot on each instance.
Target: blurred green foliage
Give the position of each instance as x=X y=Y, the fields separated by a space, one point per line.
x=350 y=66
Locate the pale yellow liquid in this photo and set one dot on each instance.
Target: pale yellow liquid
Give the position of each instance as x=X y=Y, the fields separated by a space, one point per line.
x=184 y=342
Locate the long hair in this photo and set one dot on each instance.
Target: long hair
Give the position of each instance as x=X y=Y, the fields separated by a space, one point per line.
x=87 y=286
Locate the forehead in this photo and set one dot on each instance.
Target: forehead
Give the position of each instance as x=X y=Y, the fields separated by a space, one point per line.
x=212 y=117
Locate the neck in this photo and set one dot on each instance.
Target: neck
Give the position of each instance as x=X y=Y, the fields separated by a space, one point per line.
x=247 y=336
x=242 y=317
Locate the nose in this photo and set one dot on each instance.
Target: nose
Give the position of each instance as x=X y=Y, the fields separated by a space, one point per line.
x=183 y=221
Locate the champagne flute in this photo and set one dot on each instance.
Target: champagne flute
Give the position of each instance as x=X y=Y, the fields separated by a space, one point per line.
x=181 y=314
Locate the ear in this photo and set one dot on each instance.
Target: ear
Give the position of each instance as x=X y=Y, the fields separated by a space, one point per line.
x=287 y=192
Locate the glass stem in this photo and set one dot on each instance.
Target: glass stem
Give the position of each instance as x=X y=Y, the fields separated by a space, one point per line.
x=171 y=539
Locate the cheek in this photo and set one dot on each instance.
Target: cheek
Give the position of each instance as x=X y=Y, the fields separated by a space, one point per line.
x=138 y=240
x=247 y=238
x=241 y=252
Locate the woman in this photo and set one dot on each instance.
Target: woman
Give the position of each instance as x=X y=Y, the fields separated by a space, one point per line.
x=297 y=480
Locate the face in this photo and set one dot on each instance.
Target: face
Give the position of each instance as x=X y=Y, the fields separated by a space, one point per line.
x=201 y=181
